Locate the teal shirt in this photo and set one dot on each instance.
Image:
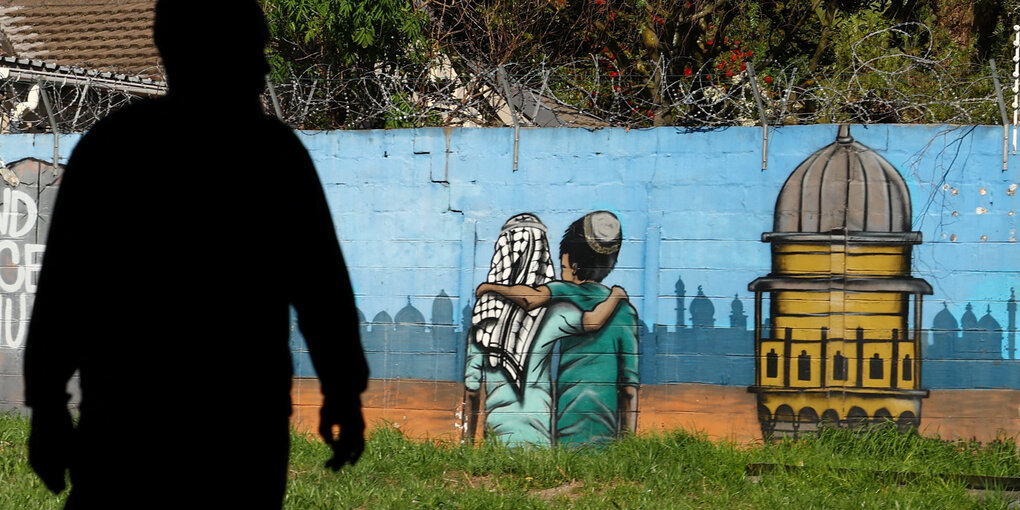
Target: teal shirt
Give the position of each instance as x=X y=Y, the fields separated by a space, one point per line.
x=593 y=367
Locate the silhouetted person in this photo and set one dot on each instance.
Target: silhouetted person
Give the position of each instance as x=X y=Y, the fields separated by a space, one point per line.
x=183 y=229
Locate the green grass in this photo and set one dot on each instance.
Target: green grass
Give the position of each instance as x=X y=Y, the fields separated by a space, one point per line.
x=836 y=469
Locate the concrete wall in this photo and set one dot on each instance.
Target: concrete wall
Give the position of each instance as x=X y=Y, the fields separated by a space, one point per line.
x=418 y=213
x=27 y=195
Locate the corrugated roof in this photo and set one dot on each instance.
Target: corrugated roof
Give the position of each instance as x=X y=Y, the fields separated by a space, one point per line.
x=105 y=35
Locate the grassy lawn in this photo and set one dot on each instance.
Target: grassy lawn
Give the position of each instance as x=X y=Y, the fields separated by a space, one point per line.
x=837 y=469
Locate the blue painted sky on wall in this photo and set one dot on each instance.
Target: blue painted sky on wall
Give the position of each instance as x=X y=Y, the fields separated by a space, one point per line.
x=418 y=210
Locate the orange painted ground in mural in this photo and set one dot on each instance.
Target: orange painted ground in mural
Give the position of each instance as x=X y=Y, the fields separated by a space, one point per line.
x=431 y=409
x=983 y=415
x=421 y=409
x=720 y=412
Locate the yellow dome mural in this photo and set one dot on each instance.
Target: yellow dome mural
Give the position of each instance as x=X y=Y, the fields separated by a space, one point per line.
x=839 y=347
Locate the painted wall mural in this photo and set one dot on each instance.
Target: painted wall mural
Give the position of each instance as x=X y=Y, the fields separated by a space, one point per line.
x=863 y=304
x=884 y=288
x=28 y=190
x=552 y=361
x=840 y=348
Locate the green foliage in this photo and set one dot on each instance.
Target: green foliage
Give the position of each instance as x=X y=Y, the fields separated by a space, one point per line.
x=345 y=31
x=644 y=62
x=311 y=39
x=627 y=51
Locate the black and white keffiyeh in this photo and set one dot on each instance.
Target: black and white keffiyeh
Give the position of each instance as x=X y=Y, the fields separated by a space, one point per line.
x=504 y=330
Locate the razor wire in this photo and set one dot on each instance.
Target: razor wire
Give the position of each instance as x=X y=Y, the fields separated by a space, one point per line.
x=882 y=87
x=32 y=99
x=581 y=95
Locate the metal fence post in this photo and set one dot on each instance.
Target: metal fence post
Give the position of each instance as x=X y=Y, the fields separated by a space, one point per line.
x=275 y=100
x=53 y=126
x=1005 y=119
x=761 y=114
x=513 y=115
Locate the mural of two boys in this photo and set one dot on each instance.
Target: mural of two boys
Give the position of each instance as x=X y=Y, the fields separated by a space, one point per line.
x=173 y=256
x=523 y=319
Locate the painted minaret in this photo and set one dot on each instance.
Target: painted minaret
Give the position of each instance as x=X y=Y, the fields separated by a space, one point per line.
x=680 y=308
x=840 y=296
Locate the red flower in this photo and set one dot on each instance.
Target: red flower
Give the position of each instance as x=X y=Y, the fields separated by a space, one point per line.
x=600 y=2
x=768 y=79
x=733 y=58
x=729 y=74
x=614 y=74
x=688 y=71
x=749 y=53
x=710 y=42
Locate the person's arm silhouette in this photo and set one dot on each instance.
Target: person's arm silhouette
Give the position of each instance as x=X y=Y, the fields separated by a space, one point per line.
x=324 y=300
x=53 y=347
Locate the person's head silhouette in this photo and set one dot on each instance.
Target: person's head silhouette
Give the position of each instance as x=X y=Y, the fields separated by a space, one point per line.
x=213 y=50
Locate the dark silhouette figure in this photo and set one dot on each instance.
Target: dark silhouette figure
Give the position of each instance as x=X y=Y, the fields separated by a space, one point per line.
x=184 y=228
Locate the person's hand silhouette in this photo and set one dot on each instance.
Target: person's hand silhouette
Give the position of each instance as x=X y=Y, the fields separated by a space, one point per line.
x=49 y=446
x=348 y=442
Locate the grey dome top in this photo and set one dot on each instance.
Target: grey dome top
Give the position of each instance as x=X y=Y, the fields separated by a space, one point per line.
x=409 y=314
x=845 y=186
x=442 y=309
x=969 y=320
x=945 y=321
x=988 y=323
x=702 y=310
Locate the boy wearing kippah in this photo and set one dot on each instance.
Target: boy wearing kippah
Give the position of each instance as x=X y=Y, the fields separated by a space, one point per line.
x=596 y=387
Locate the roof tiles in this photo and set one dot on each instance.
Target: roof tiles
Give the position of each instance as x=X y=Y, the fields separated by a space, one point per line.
x=107 y=35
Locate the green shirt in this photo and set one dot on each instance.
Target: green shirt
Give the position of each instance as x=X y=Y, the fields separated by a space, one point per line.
x=593 y=367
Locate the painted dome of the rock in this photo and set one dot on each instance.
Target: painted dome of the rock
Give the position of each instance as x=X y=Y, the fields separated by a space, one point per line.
x=844 y=186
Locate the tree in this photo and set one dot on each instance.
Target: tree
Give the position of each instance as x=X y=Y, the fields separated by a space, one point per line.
x=321 y=43
x=640 y=54
x=646 y=62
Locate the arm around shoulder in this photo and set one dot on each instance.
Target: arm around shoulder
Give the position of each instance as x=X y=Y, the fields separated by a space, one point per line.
x=597 y=318
x=523 y=296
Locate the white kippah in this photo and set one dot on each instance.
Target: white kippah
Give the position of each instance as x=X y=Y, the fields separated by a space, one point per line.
x=602 y=232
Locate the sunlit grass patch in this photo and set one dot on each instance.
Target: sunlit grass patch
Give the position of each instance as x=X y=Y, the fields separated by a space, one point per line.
x=834 y=469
